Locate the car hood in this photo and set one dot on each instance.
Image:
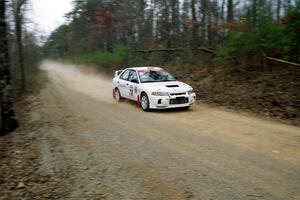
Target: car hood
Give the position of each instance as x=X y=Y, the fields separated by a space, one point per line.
x=171 y=87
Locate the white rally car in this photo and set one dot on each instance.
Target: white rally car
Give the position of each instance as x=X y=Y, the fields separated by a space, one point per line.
x=152 y=88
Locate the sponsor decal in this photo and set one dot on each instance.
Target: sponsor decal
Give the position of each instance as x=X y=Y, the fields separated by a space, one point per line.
x=131 y=91
x=135 y=89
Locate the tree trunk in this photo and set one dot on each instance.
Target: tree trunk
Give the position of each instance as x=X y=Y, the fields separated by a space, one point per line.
x=278 y=10
x=8 y=120
x=230 y=13
x=209 y=24
x=141 y=23
x=222 y=18
x=19 y=45
x=166 y=24
x=222 y=15
x=203 y=20
x=18 y=19
x=194 y=26
x=254 y=12
x=194 y=22
x=175 y=23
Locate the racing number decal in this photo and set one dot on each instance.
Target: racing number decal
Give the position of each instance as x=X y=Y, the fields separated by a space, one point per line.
x=135 y=89
x=131 y=91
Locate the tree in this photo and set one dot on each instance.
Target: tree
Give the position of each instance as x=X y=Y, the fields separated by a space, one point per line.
x=230 y=13
x=204 y=12
x=8 y=120
x=194 y=28
x=278 y=10
x=254 y=12
x=175 y=22
x=17 y=9
x=194 y=24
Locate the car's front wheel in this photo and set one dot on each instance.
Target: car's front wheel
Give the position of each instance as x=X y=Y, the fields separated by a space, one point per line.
x=145 y=102
x=118 y=96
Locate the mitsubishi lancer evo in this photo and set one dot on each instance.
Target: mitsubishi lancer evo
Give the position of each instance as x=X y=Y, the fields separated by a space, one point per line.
x=152 y=88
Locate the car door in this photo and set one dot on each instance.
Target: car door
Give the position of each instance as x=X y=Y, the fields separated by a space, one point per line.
x=133 y=82
x=123 y=83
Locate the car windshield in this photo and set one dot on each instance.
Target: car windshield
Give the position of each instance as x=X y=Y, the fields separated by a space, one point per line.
x=149 y=76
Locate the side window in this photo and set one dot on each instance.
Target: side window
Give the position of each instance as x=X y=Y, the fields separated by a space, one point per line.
x=125 y=75
x=133 y=76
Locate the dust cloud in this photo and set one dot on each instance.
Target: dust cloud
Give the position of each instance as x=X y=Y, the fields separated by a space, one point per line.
x=81 y=79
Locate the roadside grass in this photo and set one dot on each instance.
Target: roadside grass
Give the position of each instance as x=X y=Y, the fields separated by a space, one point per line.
x=43 y=79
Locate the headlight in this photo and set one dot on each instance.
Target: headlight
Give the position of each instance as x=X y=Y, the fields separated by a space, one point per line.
x=160 y=94
x=190 y=91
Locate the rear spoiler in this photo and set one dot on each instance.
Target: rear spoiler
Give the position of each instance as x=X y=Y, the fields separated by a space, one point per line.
x=118 y=72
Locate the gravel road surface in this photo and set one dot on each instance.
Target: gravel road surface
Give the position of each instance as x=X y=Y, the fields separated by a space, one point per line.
x=99 y=149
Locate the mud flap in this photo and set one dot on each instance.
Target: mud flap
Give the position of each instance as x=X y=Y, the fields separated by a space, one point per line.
x=138 y=102
x=114 y=93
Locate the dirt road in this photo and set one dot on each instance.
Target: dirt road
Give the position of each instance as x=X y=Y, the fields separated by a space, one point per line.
x=98 y=149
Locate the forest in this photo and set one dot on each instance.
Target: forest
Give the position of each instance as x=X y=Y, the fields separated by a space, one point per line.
x=117 y=32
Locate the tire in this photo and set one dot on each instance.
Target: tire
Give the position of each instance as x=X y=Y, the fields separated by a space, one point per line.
x=118 y=96
x=145 y=102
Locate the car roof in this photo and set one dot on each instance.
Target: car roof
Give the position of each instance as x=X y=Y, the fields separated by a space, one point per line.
x=145 y=68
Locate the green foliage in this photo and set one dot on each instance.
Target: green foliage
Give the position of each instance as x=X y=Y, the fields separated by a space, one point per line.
x=272 y=39
x=292 y=23
x=97 y=58
x=57 y=44
x=136 y=60
x=233 y=49
x=178 y=64
x=278 y=39
x=122 y=55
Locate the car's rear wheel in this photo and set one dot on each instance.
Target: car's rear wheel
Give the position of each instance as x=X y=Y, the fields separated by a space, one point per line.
x=118 y=96
x=145 y=102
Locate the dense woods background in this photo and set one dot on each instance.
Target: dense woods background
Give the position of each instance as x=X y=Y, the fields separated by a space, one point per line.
x=106 y=32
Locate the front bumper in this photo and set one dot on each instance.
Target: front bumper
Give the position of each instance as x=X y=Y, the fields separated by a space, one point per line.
x=164 y=102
